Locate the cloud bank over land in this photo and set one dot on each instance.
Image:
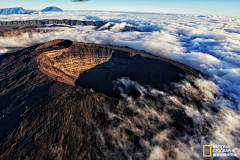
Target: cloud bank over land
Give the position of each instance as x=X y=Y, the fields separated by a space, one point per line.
x=3 y=50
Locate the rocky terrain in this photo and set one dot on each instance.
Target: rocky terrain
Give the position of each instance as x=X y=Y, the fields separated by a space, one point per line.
x=15 y=28
x=17 y=31
x=71 y=100
x=42 y=23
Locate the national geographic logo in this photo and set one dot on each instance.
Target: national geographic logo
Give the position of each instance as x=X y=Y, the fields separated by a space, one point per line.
x=219 y=151
x=210 y=151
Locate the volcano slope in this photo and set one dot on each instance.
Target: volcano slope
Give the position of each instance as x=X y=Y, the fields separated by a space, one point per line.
x=70 y=100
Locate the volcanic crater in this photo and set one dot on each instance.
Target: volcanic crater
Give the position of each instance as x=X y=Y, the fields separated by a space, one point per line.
x=96 y=66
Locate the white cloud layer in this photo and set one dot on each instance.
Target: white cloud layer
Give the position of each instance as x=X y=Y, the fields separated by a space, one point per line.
x=214 y=114
x=3 y=50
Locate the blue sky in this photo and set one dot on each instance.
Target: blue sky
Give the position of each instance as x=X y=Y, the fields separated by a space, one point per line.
x=218 y=7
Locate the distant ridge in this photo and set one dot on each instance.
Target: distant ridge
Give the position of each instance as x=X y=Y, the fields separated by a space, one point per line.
x=52 y=9
x=17 y=10
x=20 y=10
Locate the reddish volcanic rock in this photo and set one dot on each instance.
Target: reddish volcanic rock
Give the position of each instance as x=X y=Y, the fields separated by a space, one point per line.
x=69 y=62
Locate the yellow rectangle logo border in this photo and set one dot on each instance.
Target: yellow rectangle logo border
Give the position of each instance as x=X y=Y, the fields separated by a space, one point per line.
x=210 y=146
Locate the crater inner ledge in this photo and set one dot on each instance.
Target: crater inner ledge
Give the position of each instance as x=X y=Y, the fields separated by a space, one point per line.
x=98 y=66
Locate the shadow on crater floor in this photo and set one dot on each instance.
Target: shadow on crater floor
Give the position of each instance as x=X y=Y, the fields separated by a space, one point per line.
x=144 y=70
x=65 y=43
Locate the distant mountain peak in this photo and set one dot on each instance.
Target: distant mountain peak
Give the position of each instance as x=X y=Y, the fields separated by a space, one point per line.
x=52 y=9
x=16 y=10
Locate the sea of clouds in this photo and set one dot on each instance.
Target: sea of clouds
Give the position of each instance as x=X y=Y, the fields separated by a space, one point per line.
x=209 y=43
x=212 y=121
